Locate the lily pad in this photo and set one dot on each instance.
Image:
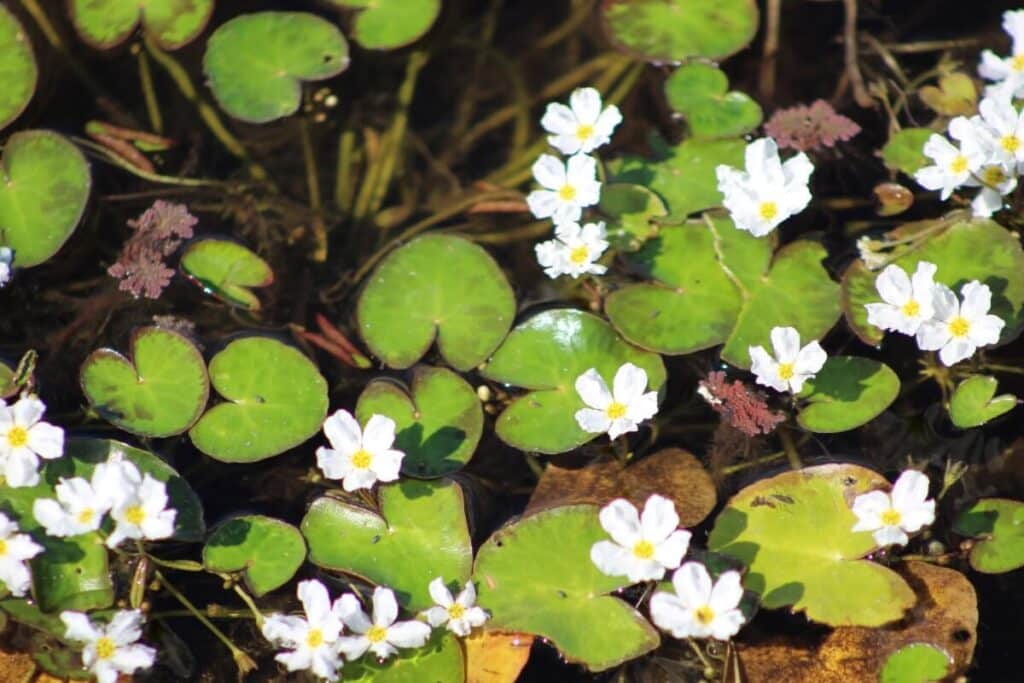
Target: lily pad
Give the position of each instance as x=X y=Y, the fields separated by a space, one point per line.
x=436 y=286
x=998 y=526
x=916 y=663
x=439 y=661
x=265 y=550
x=905 y=150
x=672 y=30
x=535 y=576
x=390 y=24
x=226 y=270
x=160 y=391
x=978 y=249
x=793 y=531
x=545 y=355
x=275 y=399
x=847 y=393
x=421 y=533
x=172 y=23
x=44 y=186
x=974 y=402
x=439 y=422
x=700 y=92
x=632 y=212
x=18 y=66
x=256 y=63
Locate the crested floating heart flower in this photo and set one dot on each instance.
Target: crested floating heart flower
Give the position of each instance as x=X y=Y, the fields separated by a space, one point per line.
x=1007 y=72
x=141 y=511
x=459 y=614
x=957 y=328
x=699 y=608
x=907 y=300
x=566 y=187
x=24 y=438
x=383 y=634
x=891 y=516
x=642 y=547
x=112 y=649
x=953 y=165
x=16 y=549
x=574 y=250
x=310 y=642
x=791 y=366
x=359 y=457
x=620 y=410
x=583 y=126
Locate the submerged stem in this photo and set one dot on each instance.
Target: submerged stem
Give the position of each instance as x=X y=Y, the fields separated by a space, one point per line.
x=156 y=120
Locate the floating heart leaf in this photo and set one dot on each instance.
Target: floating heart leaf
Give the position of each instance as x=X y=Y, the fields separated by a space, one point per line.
x=275 y=400
x=265 y=550
x=632 y=212
x=160 y=391
x=847 y=393
x=108 y=23
x=905 y=150
x=974 y=402
x=916 y=663
x=955 y=95
x=967 y=250
x=793 y=531
x=545 y=355
x=256 y=63
x=420 y=534
x=439 y=661
x=18 y=66
x=389 y=24
x=672 y=30
x=44 y=185
x=700 y=92
x=998 y=524
x=438 y=425
x=226 y=270
x=536 y=576
x=436 y=286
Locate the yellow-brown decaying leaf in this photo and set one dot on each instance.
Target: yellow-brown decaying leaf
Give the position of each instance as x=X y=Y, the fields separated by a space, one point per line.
x=496 y=657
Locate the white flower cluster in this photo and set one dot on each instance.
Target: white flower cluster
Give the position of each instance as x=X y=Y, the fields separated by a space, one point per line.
x=112 y=649
x=570 y=186
x=891 y=516
x=930 y=311
x=359 y=457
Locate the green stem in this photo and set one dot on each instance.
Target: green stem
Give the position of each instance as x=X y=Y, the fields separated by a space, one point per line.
x=792 y=454
x=247 y=599
x=114 y=159
x=156 y=120
x=319 y=229
x=343 y=179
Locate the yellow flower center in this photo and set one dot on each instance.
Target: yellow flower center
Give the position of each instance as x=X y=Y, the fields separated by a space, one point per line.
x=362 y=459
x=567 y=193
x=768 y=210
x=3 y=547
x=315 y=638
x=993 y=175
x=86 y=516
x=17 y=437
x=959 y=326
x=456 y=611
x=376 y=634
x=1017 y=63
x=959 y=164
x=911 y=309
x=584 y=131
x=1011 y=143
x=105 y=648
x=704 y=615
x=615 y=410
x=135 y=515
x=891 y=517
x=579 y=255
x=644 y=550
x=786 y=371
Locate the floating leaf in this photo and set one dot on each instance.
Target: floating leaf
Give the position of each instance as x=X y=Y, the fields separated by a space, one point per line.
x=390 y=24
x=916 y=663
x=436 y=286
x=172 y=23
x=632 y=212
x=700 y=92
x=420 y=534
x=672 y=30
x=496 y=657
x=954 y=96
x=905 y=150
x=265 y=550
x=998 y=524
x=439 y=661
x=847 y=393
x=545 y=355
x=256 y=63
x=535 y=576
x=160 y=391
x=18 y=66
x=793 y=531
x=974 y=402
x=438 y=424
x=275 y=400
x=44 y=186
x=226 y=270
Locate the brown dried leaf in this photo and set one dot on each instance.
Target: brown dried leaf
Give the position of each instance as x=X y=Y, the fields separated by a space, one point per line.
x=496 y=657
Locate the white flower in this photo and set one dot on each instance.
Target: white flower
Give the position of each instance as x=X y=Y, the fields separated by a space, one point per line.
x=699 y=609
x=582 y=126
x=461 y=614
x=360 y=458
x=382 y=635
x=791 y=366
x=892 y=516
x=312 y=643
x=567 y=187
x=79 y=507
x=769 y=191
x=141 y=512
x=642 y=546
x=574 y=250
x=1004 y=126
x=24 y=438
x=15 y=549
x=958 y=329
x=996 y=181
x=953 y=165
x=111 y=649
x=1009 y=70
x=908 y=301
x=6 y=259
x=617 y=411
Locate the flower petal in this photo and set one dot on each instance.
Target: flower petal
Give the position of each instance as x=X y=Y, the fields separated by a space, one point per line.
x=343 y=432
x=659 y=519
x=786 y=342
x=670 y=552
x=28 y=411
x=316 y=603
x=385 y=607
x=977 y=300
x=593 y=421
x=893 y=285
x=693 y=584
x=726 y=593
x=379 y=434
x=409 y=634
x=78 y=627
x=610 y=558
x=629 y=383
x=559 y=120
x=549 y=172
x=439 y=593
x=810 y=360
x=593 y=390
x=910 y=489
x=586 y=104
x=622 y=522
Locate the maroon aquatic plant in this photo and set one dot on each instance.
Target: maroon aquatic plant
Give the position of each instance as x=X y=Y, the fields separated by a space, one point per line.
x=159 y=231
x=806 y=128
x=742 y=407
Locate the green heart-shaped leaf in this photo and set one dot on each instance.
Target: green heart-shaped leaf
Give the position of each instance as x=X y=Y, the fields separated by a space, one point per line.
x=978 y=249
x=847 y=393
x=905 y=150
x=439 y=661
x=160 y=391
x=389 y=24
x=998 y=524
x=672 y=30
x=108 y=23
x=954 y=96
x=536 y=576
x=545 y=355
x=436 y=286
x=916 y=663
x=420 y=534
x=793 y=531
x=699 y=92
x=265 y=550
x=275 y=400
x=18 y=67
x=632 y=212
x=256 y=63
x=227 y=270
x=44 y=185
x=974 y=402
x=438 y=425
